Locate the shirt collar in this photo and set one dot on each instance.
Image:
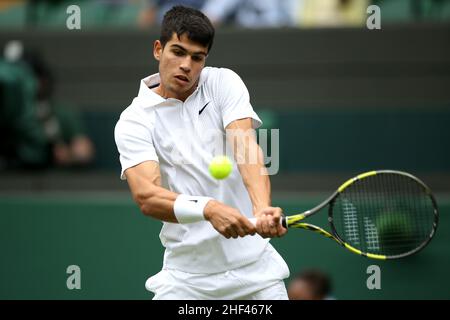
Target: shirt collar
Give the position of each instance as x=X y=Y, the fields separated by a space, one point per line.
x=151 y=98
x=146 y=94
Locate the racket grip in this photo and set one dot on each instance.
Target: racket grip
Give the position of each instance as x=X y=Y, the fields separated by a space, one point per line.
x=282 y=221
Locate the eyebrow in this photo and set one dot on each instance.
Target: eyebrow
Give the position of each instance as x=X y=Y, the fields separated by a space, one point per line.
x=184 y=49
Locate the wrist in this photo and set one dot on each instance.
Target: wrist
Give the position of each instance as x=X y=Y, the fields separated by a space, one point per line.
x=210 y=208
x=189 y=209
x=260 y=207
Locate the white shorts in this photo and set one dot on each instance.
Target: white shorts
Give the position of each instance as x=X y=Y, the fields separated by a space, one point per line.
x=260 y=280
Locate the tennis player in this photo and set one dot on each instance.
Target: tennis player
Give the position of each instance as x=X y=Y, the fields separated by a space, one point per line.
x=166 y=138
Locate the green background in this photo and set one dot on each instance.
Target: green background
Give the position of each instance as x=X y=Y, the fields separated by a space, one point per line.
x=117 y=249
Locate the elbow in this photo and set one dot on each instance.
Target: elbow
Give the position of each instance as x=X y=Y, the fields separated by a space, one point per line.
x=145 y=209
x=144 y=201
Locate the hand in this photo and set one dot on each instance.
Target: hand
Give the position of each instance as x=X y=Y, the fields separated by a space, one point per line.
x=268 y=223
x=228 y=221
x=61 y=154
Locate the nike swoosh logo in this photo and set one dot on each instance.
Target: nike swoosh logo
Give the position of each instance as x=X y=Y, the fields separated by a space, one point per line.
x=201 y=110
x=194 y=200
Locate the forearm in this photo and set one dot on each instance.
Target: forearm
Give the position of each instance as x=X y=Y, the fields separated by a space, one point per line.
x=157 y=202
x=250 y=160
x=256 y=181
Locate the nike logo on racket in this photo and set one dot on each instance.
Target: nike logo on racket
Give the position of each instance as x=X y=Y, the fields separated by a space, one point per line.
x=201 y=110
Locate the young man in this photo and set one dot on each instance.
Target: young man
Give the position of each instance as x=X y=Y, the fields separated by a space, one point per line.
x=166 y=138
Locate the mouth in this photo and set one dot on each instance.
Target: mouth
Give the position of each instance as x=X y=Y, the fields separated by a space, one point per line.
x=182 y=78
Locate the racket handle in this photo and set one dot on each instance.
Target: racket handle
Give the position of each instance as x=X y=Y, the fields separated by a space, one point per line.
x=282 y=221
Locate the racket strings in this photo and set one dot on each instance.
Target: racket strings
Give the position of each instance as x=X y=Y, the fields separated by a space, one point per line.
x=384 y=214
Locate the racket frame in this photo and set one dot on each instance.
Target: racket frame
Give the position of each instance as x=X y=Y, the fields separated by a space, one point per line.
x=294 y=220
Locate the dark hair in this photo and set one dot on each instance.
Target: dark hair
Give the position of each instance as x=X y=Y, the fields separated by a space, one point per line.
x=189 y=21
x=319 y=282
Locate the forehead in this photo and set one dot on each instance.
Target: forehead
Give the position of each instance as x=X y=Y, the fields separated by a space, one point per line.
x=186 y=43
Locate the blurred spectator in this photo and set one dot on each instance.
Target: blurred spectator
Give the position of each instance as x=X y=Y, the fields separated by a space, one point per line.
x=60 y=131
x=153 y=11
x=318 y=13
x=34 y=7
x=23 y=142
x=114 y=12
x=422 y=10
x=245 y=13
x=310 y=284
x=250 y=13
x=5 y=4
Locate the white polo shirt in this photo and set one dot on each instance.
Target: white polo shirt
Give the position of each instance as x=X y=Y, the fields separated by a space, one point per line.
x=183 y=137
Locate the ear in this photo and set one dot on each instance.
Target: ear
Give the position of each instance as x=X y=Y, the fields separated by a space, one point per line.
x=157 y=49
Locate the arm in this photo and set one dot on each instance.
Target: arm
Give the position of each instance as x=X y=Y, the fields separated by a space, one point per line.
x=144 y=181
x=250 y=160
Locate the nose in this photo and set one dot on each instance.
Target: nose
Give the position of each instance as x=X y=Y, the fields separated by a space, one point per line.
x=186 y=64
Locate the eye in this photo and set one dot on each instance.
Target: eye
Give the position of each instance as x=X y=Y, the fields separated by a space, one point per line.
x=197 y=58
x=178 y=53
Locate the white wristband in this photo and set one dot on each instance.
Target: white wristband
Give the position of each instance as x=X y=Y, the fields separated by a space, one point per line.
x=189 y=209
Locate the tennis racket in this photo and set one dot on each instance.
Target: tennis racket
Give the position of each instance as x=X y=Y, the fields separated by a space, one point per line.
x=378 y=214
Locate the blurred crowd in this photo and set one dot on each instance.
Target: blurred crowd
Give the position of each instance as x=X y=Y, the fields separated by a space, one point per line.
x=44 y=132
x=38 y=131
x=281 y=13
x=241 y=13
x=264 y=13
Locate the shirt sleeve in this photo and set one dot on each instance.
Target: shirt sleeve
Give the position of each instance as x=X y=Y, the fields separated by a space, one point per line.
x=134 y=142
x=234 y=100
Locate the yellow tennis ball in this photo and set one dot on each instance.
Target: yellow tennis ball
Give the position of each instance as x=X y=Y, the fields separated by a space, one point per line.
x=220 y=167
